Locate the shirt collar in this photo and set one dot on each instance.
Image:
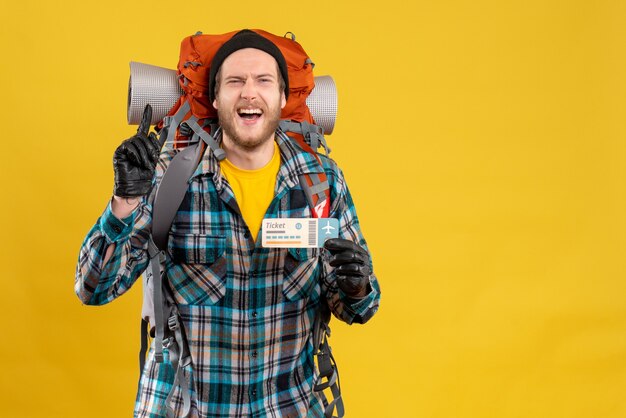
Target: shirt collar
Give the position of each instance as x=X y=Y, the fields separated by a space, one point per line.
x=294 y=162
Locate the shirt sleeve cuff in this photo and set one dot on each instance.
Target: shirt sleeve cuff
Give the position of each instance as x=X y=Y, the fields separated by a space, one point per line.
x=359 y=306
x=114 y=229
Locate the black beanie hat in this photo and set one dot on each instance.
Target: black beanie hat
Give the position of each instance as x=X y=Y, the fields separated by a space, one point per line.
x=247 y=39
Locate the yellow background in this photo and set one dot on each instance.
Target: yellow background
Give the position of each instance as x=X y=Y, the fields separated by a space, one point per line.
x=484 y=145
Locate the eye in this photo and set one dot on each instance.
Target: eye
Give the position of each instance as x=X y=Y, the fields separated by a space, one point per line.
x=234 y=81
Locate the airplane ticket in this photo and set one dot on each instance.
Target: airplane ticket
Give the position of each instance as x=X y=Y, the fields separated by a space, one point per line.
x=298 y=232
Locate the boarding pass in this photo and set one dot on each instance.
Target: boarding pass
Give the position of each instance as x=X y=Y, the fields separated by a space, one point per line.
x=298 y=232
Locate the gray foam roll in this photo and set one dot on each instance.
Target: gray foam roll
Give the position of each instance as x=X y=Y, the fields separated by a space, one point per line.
x=323 y=103
x=151 y=84
x=159 y=87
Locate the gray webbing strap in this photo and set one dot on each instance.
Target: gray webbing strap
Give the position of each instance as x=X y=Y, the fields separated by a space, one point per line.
x=153 y=273
x=178 y=351
x=170 y=123
x=328 y=370
x=317 y=188
x=171 y=192
x=313 y=134
x=219 y=153
x=180 y=358
x=169 y=195
x=328 y=373
x=289 y=126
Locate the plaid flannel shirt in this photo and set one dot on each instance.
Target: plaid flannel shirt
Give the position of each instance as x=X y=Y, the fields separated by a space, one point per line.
x=248 y=311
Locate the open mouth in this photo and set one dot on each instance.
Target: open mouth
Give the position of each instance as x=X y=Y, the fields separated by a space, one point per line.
x=250 y=114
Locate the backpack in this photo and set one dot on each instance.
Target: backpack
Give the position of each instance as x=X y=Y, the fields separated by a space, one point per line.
x=190 y=126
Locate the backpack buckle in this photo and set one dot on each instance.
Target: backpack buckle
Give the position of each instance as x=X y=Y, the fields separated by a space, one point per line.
x=172 y=322
x=167 y=342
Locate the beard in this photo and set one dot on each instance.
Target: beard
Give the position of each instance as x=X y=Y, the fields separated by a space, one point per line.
x=249 y=140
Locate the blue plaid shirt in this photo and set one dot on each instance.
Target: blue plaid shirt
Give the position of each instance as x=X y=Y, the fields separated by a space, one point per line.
x=248 y=311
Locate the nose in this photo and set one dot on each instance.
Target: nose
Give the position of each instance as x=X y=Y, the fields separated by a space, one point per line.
x=248 y=90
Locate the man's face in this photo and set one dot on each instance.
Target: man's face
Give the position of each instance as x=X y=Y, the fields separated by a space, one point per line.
x=248 y=98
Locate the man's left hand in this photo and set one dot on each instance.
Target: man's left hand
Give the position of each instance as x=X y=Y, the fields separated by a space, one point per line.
x=352 y=266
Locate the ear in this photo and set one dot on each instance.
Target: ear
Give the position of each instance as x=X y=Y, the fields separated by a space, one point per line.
x=283 y=100
x=215 y=103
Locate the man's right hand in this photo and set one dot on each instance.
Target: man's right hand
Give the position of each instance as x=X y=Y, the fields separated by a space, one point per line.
x=134 y=161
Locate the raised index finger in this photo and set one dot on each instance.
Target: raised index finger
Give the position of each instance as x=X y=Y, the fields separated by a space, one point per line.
x=146 y=118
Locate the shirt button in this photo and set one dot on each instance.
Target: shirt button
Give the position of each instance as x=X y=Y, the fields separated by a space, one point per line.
x=117 y=229
x=255 y=314
x=246 y=235
x=252 y=273
x=254 y=354
x=253 y=392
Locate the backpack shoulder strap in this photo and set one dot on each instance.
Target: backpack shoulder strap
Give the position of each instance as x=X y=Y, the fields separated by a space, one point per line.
x=171 y=191
x=315 y=185
x=317 y=192
x=173 y=185
x=159 y=308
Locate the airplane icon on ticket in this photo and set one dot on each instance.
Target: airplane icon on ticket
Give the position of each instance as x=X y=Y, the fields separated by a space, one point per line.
x=328 y=228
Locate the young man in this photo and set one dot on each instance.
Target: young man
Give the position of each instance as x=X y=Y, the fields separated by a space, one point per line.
x=247 y=311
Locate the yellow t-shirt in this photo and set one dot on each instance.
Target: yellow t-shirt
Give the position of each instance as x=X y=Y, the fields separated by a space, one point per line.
x=254 y=189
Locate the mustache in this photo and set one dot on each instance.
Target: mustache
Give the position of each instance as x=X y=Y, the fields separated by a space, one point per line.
x=251 y=103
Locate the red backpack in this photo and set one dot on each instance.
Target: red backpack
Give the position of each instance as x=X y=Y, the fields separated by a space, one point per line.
x=196 y=54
